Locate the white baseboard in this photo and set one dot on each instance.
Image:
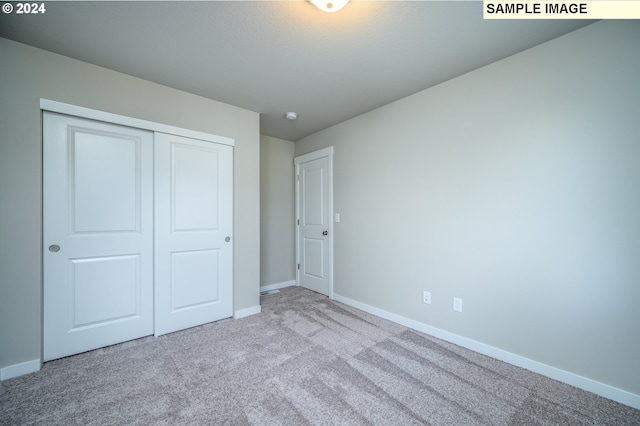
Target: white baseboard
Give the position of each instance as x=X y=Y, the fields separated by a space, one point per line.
x=277 y=286
x=241 y=313
x=16 y=370
x=590 y=385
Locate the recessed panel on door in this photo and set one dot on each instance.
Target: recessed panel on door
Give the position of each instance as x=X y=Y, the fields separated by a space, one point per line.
x=104 y=289
x=195 y=279
x=313 y=252
x=195 y=188
x=312 y=191
x=97 y=234
x=105 y=179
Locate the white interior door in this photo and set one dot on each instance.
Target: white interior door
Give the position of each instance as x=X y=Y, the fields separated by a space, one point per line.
x=315 y=230
x=193 y=238
x=97 y=234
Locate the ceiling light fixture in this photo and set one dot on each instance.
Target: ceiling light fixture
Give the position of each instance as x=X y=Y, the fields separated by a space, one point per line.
x=330 y=5
x=291 y=115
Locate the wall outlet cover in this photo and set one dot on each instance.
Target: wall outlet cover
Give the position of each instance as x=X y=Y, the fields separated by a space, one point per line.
x=457 y=304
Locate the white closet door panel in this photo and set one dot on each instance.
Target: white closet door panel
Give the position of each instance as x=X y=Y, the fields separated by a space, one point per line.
x=193 y=232
x=97 y=234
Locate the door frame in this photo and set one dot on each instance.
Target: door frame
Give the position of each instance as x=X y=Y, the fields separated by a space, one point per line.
x=315 y=155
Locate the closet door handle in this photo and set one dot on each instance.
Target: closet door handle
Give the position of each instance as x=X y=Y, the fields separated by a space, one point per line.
x=227 y=239
x=54 y=248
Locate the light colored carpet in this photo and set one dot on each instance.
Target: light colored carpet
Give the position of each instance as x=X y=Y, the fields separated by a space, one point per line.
x=304 y=360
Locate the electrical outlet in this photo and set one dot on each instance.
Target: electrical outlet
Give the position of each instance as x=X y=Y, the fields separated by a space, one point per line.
x=457 y=304
x=426 y=297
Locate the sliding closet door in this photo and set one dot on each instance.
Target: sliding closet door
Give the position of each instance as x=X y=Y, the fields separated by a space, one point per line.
x=97 y=234
x=193 y=232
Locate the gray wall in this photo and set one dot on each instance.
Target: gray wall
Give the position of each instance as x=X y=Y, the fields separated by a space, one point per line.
x=28 y=74
x=515 y=187
x=277 y=211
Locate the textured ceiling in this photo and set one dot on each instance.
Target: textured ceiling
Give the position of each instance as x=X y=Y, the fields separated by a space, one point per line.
x=277 y=56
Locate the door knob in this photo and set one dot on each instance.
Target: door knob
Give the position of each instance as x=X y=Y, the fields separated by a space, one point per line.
x=325 y=232
x=227 y=239
x=54 y=248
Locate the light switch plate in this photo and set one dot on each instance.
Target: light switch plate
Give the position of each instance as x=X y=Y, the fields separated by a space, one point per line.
x=457 y=304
